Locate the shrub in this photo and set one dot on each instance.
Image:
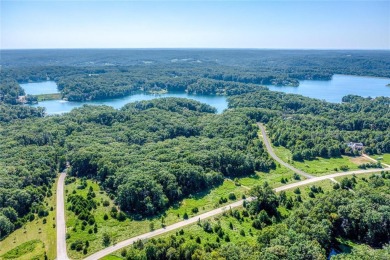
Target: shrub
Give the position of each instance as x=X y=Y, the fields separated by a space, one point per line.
x=121 y=216
x=232 y=196
x=106 y=239
x=207 y=227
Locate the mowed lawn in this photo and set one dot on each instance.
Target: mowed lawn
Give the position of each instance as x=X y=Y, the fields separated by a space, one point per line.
x=35 y=238
x=385 y=158
x=321 y=166
x=273 y=178
x=121 y=230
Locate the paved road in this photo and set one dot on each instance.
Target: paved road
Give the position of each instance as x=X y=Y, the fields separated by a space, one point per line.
x=61 y=226
x=273 y=155
x=327 y=177
x=160 y=231
x=193 y=220
x=60 y=218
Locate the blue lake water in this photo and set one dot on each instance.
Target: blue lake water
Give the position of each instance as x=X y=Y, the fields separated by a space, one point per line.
x=38 y=88
x=59 y=106
x=340 y=86
x=332 y=91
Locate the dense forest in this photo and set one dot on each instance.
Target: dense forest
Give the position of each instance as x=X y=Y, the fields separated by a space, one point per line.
x=147 y=155
x=311 y=128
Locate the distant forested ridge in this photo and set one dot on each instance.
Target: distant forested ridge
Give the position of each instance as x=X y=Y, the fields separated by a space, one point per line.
x=100 y=74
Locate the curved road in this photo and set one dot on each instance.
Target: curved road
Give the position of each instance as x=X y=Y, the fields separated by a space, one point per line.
x=61 y=226
x=276 y=158
x=193 y=220
x=60 y=219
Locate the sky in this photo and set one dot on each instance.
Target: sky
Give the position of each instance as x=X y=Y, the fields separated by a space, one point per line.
x=288 y=24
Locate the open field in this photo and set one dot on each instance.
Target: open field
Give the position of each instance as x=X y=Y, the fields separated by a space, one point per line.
x=43 y=97
x=273 y=178
x=37 y=237
x=359 y=177
x=33 y=249
x=320 y=166
x=385 y=157
x=192 y=232
x=120 y=230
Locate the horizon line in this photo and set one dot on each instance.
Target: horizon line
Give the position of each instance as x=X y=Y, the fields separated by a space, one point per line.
x=197 y=48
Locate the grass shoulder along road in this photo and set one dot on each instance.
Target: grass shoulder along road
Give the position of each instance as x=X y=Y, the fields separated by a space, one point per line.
x=38 y=235
x=321 y=166
x=120 y=230
x=384 y=158
x=239 y=232
x=235 y=231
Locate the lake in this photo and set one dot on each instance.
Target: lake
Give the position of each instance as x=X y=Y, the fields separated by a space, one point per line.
x=340 y=86
x=332 y=91
x=38 y=88
x=60 y=106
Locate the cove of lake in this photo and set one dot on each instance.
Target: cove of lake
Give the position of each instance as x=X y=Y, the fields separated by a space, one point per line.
x=332 y=91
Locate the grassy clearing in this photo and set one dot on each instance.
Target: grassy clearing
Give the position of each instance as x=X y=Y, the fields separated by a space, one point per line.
x=273 y=178
x=359 y=177
x=111 y=257
x=30 y=250
x=43 y=97
x=251 y=234
x=35 y=230
x=194 y=231
x=326 y=185
x=121 y=230
x=321 y=166
x=191 y=233
x=385 y=157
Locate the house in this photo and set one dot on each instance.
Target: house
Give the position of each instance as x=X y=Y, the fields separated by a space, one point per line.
x=21 y=99
x=355 y=146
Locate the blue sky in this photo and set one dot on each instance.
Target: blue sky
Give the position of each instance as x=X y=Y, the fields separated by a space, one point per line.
x=195 y=24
